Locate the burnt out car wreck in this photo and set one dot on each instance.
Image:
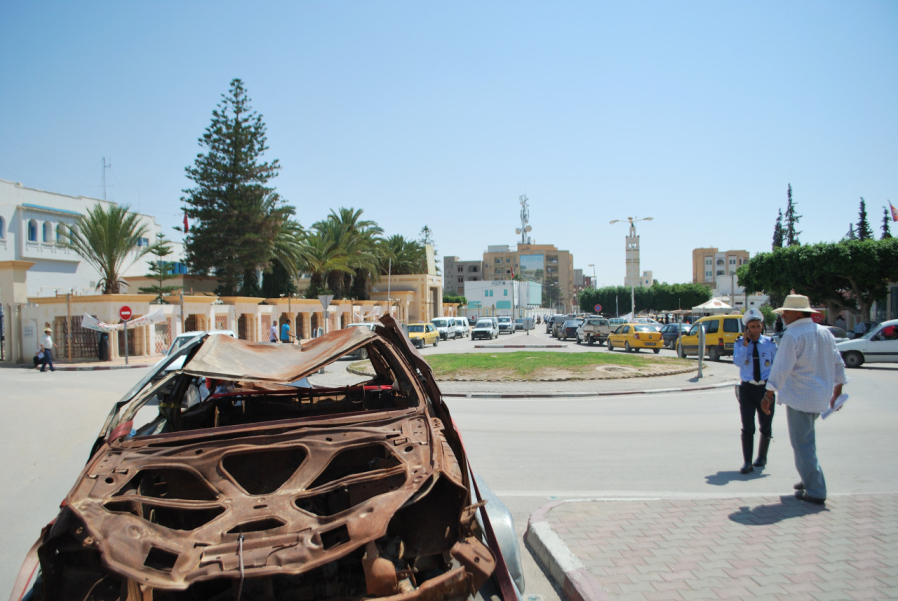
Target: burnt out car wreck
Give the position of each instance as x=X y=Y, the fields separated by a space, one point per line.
x=237 y=477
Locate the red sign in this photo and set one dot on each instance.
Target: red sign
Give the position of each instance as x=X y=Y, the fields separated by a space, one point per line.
x=125 y=313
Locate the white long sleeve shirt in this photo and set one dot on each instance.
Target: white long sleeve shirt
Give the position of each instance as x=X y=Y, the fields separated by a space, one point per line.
x=807 y=367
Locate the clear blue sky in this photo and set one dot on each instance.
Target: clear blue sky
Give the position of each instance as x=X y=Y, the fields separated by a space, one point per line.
x=442 y=113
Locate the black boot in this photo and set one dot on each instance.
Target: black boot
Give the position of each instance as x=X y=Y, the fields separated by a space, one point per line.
x=748 y=443
x=761 y=461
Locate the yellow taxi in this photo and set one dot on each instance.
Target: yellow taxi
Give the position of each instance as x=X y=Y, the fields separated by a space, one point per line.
x=721 y=332
x=422 y=334
x=635 y=336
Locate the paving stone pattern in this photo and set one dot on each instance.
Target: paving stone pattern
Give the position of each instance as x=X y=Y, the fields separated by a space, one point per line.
x=737 y=548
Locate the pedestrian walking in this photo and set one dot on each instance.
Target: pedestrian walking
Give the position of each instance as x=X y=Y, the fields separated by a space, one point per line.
x=807 y=378
x=273 y=333
x=285 y=332
x=753 y=354
x=778 y=325
x=47 y=349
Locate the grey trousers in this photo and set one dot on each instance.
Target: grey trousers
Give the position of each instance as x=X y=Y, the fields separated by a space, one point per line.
x=804 y=447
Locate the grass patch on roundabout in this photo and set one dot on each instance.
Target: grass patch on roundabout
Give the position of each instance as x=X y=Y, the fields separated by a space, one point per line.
x=524 y=365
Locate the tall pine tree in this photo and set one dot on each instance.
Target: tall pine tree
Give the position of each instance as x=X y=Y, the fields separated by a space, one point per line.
x=864 y=231
x=792 y=219
x=778 y=231
x=886 y=222
x=236 y=216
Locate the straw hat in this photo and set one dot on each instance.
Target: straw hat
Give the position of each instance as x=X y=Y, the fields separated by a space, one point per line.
x=48 y=330
x=796 y=302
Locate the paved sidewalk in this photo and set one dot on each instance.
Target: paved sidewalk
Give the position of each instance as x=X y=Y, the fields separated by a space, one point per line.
x=92 y=364
x=722 y=548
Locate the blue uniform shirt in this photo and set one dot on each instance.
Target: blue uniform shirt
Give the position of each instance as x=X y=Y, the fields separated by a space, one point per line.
x=285 y=332
x=742 y=357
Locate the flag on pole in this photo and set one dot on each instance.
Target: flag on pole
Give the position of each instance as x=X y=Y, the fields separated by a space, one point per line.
x=186 y=227
x=894 y=211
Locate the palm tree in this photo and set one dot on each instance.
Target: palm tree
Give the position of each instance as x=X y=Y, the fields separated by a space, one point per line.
x=402 y=255
x=348 y=235
x=104 y=238
x=319 y=258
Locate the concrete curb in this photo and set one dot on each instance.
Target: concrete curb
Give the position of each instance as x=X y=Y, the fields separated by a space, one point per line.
x=567 y=570
x=566 y=395
x=520 y=345
x=88 y=367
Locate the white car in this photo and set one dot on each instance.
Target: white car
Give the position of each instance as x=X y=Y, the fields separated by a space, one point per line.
x=485 y=328
x=879 y=345
x=446 y=327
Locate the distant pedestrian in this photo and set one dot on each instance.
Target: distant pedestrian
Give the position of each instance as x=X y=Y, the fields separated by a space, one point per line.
x=840 y=321
x=808 y=377
x=47 y=349
x=778 y=325
x=753 y=354
x=285 y=332
x=273 y=333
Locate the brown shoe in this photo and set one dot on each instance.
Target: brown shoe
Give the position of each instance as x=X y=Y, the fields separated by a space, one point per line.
x=801 y=495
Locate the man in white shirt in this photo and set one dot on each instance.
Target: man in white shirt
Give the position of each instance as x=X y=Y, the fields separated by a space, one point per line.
x=807 y=376
x=47 y=345
x=273 y=333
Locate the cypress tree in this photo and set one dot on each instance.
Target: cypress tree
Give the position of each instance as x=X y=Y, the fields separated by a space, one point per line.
x=236 y=216
x=792 y=219
x=778 y=231
x=886 y=219
x=864 y=231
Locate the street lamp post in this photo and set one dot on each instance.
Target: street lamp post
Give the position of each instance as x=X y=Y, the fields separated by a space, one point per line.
x=594 y=286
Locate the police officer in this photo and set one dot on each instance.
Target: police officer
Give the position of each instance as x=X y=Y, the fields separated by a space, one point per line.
x=754 y=354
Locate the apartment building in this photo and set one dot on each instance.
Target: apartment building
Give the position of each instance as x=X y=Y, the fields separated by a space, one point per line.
x=456 y=272
x=717 y=269
x=544 y=264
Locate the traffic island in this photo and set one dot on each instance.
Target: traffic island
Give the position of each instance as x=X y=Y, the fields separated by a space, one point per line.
x=543 y=367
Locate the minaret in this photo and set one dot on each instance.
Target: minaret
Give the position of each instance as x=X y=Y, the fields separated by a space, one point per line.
x=632 y=277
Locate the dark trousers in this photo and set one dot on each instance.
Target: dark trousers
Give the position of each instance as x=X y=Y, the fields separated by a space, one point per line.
x=47 y=360
x=750 y=397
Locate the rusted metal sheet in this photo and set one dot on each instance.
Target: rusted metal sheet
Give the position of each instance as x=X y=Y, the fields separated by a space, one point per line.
x=235 y=359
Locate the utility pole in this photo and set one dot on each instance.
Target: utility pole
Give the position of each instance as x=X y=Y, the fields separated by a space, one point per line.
x=105 y=167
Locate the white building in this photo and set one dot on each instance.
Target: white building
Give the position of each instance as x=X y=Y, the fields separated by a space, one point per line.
x=31 y=229
x=502 y=297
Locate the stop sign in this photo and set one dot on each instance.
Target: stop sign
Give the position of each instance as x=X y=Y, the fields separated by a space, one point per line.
x=125 y=312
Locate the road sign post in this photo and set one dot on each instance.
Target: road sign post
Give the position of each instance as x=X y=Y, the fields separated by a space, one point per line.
x=125 y=314
x=325 y=300
x=598 y=308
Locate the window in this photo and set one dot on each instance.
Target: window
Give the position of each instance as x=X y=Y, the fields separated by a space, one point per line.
x=506 y=292
x=732 y=261
x=708 y=274
x=461 y=279
x=707 y=260
x=712 y=327
x=47 y=236
x=720 y=272
x=498 y=260
x=720 y=261
x=142 y=242
x=60 y=233
x=460 y=269
x=508 y=260
x=32 y=231
x=731 y=325
x=2 y=229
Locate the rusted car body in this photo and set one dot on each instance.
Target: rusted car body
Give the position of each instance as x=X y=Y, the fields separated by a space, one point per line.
x=246 y=482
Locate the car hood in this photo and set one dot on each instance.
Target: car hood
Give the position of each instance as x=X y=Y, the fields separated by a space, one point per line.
x=852 y=345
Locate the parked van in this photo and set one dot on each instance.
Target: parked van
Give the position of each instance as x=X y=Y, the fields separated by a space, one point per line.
x=721 y=332
x=463 y=325
x=446 y=327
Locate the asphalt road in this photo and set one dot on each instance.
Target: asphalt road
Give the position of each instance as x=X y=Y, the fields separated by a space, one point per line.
x=530 y=451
